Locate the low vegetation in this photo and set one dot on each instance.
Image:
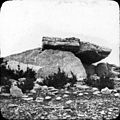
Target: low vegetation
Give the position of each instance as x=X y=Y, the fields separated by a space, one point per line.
x=7 y=74
x=58 y=80
x=99 y=82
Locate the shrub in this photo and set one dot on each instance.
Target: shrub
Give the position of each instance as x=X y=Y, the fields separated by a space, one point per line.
x=29 y=82
x=4 y=78
x=27 y=85
x=106 y=82
x=8 y=73
x=58 y=80
x=100 y=83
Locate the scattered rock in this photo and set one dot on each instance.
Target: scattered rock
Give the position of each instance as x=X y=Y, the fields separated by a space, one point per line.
x=94 y=89
x=96 y=92
x=67 y=85
x=21 y=79
x=81 y=115
x=65 y=95
x=75 y=93
x=102 y=112
x=52 y=88
x=106 y=90
x=39 y=80
x=44 y=87
x=55 y=92
x=12 y=105
x=32 y=91
x=118 y=89
x=5 y=94
x=58 y=98
x=27 y=99
x=80 y=94
x=51 y=94
x=87 y=52
x=82 y=86
x=47 y=97
x=116 y=79
x=67 y=92
x=24 y=96
x=86 y=93
x=94 y=77
x=36 y=86
x=1 y=88
x=114 y=91
x=69 y=102
x=117 y=94
x=39 y=99
x=51 y=60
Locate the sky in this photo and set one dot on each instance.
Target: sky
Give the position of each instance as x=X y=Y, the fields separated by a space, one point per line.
x=24 y=23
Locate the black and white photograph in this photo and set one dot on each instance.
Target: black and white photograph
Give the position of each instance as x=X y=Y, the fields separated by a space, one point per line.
x=60 y=59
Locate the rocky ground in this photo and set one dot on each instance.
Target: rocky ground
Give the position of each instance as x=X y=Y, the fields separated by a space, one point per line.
x=51 y=103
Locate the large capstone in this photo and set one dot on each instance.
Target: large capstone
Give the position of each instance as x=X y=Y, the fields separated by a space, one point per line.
x=50 y=60
x=87 y=52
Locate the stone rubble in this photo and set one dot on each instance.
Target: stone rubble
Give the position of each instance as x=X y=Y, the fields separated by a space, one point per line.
x=106 y=90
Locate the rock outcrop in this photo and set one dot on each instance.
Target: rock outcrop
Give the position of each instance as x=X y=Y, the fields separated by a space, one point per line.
x=87 y=52
x=51 y=60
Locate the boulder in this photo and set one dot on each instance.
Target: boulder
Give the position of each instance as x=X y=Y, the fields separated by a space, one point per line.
x=15 y=91
x=90 y=69
x=106 y=90
x=102 y=70
x=51 y=60
x=87 y=52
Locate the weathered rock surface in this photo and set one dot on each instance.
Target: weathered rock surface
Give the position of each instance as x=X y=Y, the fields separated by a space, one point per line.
x=102 y=69
x=26 y=57
x=87 y=52
x=51 y=60
x=90 y=69
x=15 y=91
x=106 y=90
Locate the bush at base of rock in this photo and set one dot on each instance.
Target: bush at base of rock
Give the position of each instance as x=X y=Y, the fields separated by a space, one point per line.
x=7 y=73
x=6 y=83
x=100 y=82
x=58 y=80
x=27 y=85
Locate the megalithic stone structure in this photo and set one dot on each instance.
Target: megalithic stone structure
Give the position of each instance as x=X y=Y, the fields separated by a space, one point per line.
x=87 y=52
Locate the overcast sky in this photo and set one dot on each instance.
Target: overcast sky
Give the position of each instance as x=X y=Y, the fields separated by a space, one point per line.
x=24 y=23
